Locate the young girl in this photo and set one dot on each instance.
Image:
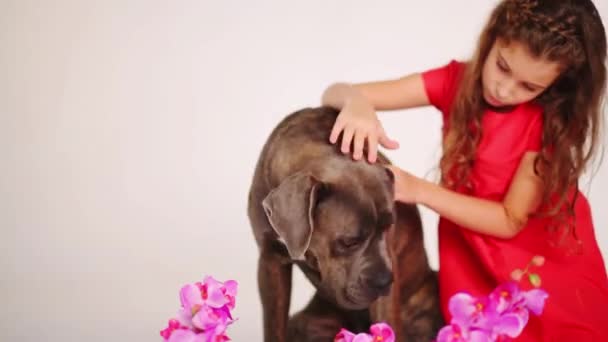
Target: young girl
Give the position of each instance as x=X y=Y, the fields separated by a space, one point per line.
x=521 y=122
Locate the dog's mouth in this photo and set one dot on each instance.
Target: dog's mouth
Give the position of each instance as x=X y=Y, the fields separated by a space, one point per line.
x=354 y=299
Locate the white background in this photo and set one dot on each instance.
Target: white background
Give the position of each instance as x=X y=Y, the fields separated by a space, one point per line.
x=129 y=131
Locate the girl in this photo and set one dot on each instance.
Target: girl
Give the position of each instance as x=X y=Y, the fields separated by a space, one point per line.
x=521 y=123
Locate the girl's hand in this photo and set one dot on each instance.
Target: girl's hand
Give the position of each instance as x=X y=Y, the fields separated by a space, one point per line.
x=407 y=186
x=358 y=123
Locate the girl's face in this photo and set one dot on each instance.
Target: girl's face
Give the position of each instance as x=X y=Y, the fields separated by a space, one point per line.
x=512 y=75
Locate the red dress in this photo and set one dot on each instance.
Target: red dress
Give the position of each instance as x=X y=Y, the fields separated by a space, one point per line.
x=577 y=306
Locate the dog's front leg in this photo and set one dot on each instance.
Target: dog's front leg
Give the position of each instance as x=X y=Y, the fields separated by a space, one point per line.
x=274 y=282
x=387 y=309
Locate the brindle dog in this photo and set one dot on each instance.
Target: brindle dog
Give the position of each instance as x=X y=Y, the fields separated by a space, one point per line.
x=336 y=218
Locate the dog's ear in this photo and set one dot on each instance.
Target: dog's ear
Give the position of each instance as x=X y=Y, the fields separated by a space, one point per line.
x=389 y=180
x=389 y=174
x=290 y=207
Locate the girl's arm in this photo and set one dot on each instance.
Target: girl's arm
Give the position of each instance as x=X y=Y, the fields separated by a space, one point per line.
x=358 y=123
x=402 y=93
x=503 y=220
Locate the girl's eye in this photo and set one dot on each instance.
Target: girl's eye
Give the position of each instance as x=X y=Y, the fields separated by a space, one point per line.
x=529 y=88
x=502 y=67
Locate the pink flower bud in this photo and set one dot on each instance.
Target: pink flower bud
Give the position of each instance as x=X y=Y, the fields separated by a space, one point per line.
x=517 y=274
x=538 y=260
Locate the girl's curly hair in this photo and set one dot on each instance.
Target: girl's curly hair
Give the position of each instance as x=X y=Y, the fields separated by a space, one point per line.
x=571 y=33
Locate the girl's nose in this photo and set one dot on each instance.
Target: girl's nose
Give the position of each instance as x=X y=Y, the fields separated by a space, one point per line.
x=504 y=90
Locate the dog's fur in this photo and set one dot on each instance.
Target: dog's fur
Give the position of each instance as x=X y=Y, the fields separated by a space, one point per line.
x=336 y=218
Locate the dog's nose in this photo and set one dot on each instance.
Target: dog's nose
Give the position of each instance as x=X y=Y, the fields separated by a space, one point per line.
x=381 y=281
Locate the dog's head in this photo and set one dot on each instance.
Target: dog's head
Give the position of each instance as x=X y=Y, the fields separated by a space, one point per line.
x=334 y=224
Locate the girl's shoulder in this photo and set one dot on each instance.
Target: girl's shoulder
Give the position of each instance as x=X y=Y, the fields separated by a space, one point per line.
x=447 y=72
x=525 y=125
x=441 y=83
x=533 y=112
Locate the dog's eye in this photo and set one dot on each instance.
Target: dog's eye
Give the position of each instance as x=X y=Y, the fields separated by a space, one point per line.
x=348 y=243
x=386 y=219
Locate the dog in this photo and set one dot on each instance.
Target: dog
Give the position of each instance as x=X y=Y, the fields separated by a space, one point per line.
x=337 y=220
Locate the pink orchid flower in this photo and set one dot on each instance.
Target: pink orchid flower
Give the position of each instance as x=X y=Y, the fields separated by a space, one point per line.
x=172 y=326
x=208 y=318
x=216 y=334
x=380 y=332
x=183 y=335
x=209 y=293
x=347 y=336
x=501 y=315
x=510 y=297
x=489 y=315
x=230 y=288
x=456 y=333
x=205 y=312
